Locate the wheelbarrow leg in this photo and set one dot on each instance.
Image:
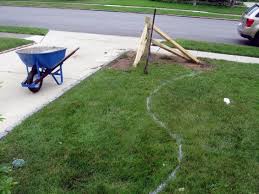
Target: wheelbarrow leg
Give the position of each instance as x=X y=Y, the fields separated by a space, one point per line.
x=58 y=73
x=33 y=75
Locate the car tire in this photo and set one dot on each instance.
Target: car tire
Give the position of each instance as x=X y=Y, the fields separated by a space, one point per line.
x=256 y=40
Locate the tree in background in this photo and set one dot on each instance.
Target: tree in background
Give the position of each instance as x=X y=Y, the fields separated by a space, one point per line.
x=229 y=3
x=232 y=3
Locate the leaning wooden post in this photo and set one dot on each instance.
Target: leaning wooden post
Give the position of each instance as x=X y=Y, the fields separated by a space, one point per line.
x=142 y=43
x=148 y=23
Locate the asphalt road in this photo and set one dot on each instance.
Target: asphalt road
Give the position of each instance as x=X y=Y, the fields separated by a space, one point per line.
x=116 y=23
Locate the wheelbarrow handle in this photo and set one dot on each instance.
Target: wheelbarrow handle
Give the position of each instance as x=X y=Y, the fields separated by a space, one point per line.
x=69 y=55
x=48 y=71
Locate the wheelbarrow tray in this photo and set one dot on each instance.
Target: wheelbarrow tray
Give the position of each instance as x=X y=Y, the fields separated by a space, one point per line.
x=44 y=57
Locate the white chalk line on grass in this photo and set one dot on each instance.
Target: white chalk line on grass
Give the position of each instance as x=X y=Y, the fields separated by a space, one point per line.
x=176 y=137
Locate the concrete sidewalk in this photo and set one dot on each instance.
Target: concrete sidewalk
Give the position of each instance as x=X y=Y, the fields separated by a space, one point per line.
x=17 y=103
x=35 y=38
x=217 y=56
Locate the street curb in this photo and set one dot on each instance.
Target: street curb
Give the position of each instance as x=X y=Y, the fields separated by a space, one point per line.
x=200 y=17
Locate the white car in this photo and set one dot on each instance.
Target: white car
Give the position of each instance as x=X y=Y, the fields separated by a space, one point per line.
x=249 y=25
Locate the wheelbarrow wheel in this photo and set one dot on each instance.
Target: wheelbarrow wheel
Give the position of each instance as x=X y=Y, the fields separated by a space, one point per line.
x=33 y=76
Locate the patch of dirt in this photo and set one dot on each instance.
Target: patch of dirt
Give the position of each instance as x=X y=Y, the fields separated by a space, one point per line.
x=125 y=61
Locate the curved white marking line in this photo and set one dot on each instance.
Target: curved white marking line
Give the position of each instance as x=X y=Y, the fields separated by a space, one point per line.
x=174 y=136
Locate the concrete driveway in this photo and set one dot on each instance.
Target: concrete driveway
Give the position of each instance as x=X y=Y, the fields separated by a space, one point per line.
x=17 y=103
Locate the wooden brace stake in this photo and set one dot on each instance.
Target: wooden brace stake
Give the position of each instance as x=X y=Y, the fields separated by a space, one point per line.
x=143 y=44
x=169 y=49
x=168 y=38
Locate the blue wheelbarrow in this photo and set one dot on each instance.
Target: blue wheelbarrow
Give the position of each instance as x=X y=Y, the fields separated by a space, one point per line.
x=41 y=62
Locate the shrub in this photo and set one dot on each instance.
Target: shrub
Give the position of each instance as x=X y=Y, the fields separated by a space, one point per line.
x=6 y=182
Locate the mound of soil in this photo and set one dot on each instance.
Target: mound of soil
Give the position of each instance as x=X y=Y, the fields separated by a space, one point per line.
x=125 y=61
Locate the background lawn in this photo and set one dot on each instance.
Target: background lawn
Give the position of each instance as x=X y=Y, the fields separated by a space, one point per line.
x=24 y=30
x=215 y=11
x=8 y=43
x=99 y=138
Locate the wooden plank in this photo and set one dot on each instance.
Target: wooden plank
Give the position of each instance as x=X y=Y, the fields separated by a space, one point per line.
x=168 y=38
x=142 y=45
x=148 y=22
x=169 y=49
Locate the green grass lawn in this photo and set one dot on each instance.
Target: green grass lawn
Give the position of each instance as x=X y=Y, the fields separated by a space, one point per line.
x=215 y=10
x=99 y=137
x=8 y=43
x=231 y=49
x=24 y=30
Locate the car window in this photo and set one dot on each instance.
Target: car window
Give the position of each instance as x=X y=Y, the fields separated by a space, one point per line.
x=251 y=10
